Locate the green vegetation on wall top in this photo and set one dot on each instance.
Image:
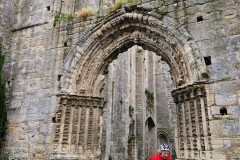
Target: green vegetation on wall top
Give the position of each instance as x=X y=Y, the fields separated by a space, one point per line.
x=87 y=12
x=63 y=16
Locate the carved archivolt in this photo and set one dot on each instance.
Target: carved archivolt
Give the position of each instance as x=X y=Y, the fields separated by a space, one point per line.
x=100 y=45
x=78 y=126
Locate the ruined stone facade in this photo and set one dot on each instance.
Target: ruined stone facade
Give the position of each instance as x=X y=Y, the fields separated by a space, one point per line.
x=79 y=91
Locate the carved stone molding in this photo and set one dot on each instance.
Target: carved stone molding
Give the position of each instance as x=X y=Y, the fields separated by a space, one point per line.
x=78 y=126
x=99 y=46
x=194 y=139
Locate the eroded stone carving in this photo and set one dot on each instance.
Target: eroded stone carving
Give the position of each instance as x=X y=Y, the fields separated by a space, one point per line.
x=77 y=126
x=193 y=119
x=151 y=32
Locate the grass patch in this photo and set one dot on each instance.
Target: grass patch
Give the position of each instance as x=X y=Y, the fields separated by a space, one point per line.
x=63 y=16
x=85 y=13
x=118 y=4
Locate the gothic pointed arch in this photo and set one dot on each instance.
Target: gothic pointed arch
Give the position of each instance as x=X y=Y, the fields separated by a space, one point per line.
x=163 y=137
x=150 y=123
x=118 y=32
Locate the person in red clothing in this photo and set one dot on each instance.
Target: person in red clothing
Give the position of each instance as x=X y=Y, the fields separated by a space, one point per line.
x=157 y=156
x=163 y=154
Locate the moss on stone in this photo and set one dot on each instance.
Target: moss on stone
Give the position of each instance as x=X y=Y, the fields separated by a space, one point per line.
x=5 y=155
x=205 y=75
x=224 y=118
x=223 y=79
x=150 y=98
x=162 y=11
x=62 y=16
x=3 y=108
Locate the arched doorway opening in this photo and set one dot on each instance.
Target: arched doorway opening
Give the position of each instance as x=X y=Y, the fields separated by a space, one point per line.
x=163 y=138
x=120 y=85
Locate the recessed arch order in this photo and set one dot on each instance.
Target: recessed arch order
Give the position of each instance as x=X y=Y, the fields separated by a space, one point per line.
x=118 y=32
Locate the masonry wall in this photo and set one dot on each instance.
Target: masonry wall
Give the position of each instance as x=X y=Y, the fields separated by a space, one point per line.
x=7 y=20
x=8 y=11
x=32 y=82
x=37 y=52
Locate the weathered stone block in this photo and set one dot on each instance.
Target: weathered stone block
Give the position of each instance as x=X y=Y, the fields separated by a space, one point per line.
x=234 y=110
x=225 y=86
x=234 y=29
x=218 y=155
x=216 y=127
x=215 y=110
x=227 y=143
x=225 y=99
x=230 y=127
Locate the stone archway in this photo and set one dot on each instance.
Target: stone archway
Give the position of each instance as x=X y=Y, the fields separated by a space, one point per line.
x=99 y=46
x=95 y=50
x=163 y=138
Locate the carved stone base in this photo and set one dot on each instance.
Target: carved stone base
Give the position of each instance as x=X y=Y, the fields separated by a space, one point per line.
x=78 y=128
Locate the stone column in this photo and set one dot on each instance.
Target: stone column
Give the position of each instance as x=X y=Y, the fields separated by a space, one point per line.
x=151 y=83
x=132 y=149
x=120 y=107
x=108 y=112
x=140 y=103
